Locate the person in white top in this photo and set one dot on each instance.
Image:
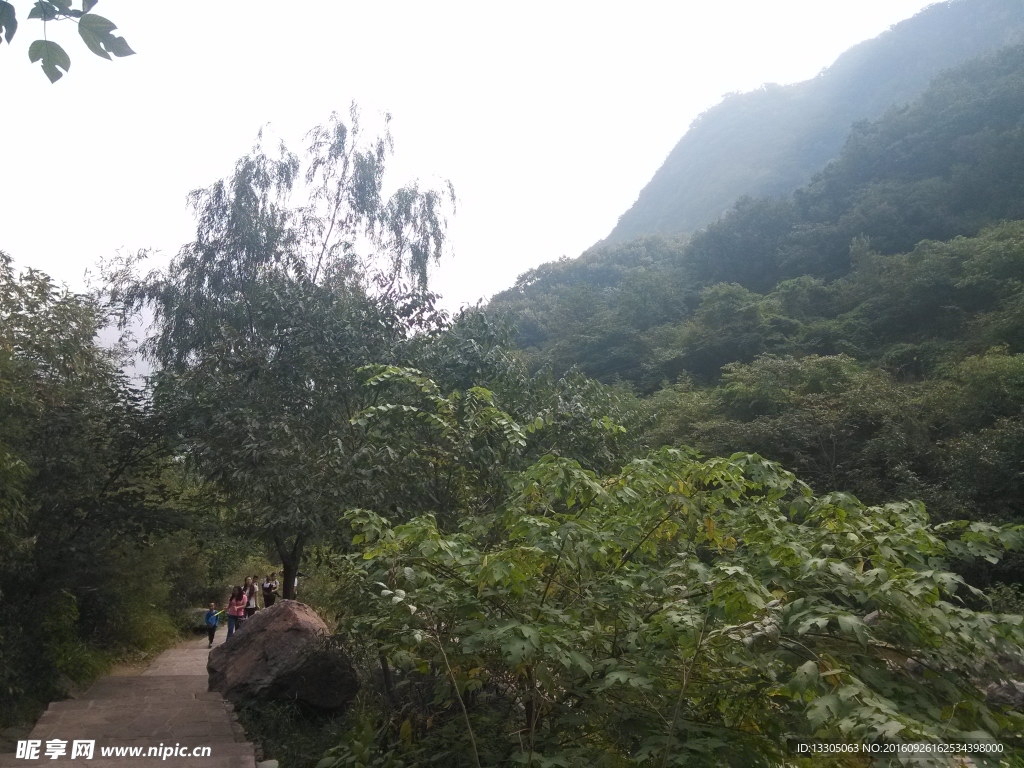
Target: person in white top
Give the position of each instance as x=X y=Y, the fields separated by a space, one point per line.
x=249 y=590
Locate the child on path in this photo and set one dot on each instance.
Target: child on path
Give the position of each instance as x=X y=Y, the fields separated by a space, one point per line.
x=236 y=610
x=212 y=619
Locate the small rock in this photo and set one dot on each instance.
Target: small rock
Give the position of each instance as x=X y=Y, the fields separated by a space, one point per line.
x=267 y=764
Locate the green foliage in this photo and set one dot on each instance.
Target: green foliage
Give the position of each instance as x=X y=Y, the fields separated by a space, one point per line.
x=462 y=446
x=90 y=528
x=955 y=440
x=98 y=35
x=680 y=611
x=52 y=57
x=900 y=379
x=96 y=32
x=264 y=320
x=921 y=346
x=592 y=312
x=946 y=165
x=290 y=734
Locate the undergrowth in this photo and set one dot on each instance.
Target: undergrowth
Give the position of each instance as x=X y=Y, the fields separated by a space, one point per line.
x=290 y=733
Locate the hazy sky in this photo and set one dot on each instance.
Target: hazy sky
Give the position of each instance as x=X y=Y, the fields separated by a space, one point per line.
x=547 y=117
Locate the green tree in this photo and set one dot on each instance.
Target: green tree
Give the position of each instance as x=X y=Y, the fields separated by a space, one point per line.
x=677 y=612
x=263 y=322
x=83 y=497
x=96 y=32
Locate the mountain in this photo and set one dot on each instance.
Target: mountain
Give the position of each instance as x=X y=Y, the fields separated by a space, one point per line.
x=947 y=165
x=772 y=140
x=866 y=331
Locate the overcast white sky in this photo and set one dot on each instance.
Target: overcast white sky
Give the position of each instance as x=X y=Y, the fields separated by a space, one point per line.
x=547 y=117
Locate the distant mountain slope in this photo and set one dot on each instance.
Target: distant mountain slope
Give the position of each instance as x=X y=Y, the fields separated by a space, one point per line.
x=772 y=140
x=947 y=165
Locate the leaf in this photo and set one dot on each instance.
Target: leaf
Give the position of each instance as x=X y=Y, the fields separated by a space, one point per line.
x=890 y=729
x=530 y=634
x=97 y=32
x=580 y=661
x=805 y=677
x=853 y=625
x=823 y=708
x=43 y=10
x=88 y=5
x=8 y=21
x=52 y=56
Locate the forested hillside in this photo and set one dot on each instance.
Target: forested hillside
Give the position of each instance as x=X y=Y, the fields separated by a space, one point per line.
x=865 y=331
x=772 y=140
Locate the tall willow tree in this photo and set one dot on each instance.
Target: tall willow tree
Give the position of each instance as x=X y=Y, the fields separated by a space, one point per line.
x=263 y=321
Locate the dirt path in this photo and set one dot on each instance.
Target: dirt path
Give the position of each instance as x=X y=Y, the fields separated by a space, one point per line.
x=165 y=707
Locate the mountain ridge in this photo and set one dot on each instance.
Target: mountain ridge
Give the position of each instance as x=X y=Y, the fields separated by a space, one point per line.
x=772 y=140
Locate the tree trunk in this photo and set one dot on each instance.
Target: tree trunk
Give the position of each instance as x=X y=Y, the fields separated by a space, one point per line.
x=291 y=557
x=389 y=684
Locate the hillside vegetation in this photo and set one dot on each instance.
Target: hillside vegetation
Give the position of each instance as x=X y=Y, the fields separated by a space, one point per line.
x=772 y=140
x=865 y=331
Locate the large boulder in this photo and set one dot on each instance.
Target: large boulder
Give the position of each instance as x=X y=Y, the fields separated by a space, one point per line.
x=278 y=654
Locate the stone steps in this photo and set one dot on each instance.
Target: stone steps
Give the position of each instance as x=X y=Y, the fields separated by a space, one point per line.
x=166 y=706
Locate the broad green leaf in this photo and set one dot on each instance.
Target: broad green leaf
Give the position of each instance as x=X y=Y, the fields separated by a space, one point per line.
x=854 y=625
x=823 y=709
x=52 y=56
x=97 y=33
x=8 y=20
x=805 y=677
x=580 y=661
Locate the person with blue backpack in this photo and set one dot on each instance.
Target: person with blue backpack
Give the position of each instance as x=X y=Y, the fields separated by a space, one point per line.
x=212 y=619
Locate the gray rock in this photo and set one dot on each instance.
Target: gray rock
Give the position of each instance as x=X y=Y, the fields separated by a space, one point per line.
x=277 y=654
x=1007 y=693
x=1011 y=664
x=267 y=764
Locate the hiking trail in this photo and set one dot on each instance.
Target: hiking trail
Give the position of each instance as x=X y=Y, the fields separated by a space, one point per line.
x=165 y=706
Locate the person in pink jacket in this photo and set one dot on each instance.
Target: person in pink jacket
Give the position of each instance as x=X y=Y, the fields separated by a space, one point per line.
x=236 y=610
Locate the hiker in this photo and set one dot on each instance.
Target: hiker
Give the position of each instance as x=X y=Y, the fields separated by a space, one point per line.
x=236 y=610
x=212 y=618
x=250 y=596
x=270 y=585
